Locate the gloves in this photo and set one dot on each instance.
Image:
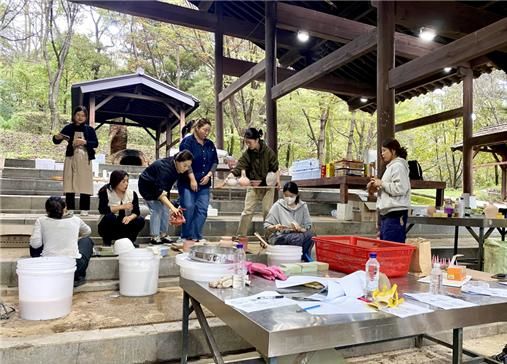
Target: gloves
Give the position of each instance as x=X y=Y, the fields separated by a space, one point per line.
x=269 y=273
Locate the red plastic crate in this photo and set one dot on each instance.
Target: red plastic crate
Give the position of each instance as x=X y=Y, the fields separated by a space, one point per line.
x=348 y=254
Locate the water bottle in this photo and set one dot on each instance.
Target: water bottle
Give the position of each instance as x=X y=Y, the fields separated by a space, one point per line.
x=372 y=276
x=436 y=279
x=238 y=279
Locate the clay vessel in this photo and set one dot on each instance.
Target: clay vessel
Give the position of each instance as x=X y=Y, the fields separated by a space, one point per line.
x=243 y=180
x=231 y=181
x=490 y=211
x=430 y=211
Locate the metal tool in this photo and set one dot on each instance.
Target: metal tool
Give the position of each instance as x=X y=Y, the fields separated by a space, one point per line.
x=212 y=254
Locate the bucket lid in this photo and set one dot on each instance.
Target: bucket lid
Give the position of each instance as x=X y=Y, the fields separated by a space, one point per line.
x=58 y=262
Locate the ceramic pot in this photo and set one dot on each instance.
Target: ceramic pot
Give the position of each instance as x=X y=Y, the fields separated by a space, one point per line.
x=243 y=180
x=490 y=211
x=430 y=211
x=231 y=181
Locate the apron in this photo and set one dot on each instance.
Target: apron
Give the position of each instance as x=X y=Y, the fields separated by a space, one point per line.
x=77 y=171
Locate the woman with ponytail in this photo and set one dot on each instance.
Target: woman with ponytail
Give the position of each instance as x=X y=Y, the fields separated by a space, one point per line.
x=257 y=161
x=155 y=185
x=62 y=234
x=119 y=207
x=393 y=192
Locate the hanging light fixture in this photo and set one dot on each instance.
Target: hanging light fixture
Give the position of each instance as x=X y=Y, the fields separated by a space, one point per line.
x=364 y=100
x=303 y=36
x=447 y=69
x=427 y=34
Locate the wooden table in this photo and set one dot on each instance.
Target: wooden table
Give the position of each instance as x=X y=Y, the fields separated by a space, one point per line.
x=346 y=182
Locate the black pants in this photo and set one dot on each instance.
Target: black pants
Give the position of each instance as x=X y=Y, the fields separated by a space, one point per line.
x=304 y=240
x=85 y=247
x=111 y=228
x=84 y=201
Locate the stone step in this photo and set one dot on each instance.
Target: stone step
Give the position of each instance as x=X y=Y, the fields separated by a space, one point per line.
x=32 y=173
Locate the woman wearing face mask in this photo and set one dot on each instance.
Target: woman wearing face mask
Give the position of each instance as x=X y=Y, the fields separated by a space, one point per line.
x=77 y=169
x=288 y=222
x=393 y=198
x=195 y=191
x=119 y=207
x=155 y=185
x=258 y=160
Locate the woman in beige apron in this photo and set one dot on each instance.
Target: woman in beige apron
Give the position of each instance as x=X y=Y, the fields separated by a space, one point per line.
x=77 y=170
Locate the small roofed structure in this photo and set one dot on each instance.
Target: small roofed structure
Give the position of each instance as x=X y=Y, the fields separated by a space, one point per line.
x=492 y=139
x=136 y=100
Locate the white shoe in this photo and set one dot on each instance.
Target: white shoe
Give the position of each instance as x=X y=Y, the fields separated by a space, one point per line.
x=83 y=213
x=204 y=241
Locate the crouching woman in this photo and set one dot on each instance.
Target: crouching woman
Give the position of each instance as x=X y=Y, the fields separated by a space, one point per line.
x=288 y=221
x=59 y=234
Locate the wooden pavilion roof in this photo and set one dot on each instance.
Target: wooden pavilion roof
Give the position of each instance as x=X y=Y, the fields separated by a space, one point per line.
x=492 y=139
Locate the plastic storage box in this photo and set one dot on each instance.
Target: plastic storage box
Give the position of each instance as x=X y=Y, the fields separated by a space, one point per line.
x=348 y=254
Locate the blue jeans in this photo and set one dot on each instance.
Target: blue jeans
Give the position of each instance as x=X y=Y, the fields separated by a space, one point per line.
x=159 y=218
x=393 y=226
x=196 y=211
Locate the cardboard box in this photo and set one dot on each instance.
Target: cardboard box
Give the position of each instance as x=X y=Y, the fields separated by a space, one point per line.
x=363 y=211
x=344 y=212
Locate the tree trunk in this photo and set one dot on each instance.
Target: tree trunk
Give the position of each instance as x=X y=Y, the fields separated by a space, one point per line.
x=119 y=138
x=350 y=141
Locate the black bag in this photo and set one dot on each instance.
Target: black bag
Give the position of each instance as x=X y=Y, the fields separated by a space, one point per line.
x=415 y=170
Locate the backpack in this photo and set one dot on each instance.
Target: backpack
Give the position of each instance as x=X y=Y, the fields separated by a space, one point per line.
x=415 y=170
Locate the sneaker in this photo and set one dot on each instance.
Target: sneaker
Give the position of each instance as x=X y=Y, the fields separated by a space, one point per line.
x=155 y=241
x=79 y=282
x=203 y=241
x=166 y=240
x=83 y=213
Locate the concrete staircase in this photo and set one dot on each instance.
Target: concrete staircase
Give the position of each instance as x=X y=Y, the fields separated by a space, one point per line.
x=105 y=327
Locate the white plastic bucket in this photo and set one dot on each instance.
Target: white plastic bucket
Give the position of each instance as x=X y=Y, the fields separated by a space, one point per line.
x=45 y=287
x=283 y=254
x=200 y=271
x=139 y=270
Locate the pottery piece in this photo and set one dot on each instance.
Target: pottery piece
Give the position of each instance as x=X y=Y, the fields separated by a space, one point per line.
x=430 y=211
x=243 y=180
x=231 y=181
x=490 y=211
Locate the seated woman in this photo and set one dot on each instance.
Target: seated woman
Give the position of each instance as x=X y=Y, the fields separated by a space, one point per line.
x=288 y=222
x=58 y=234
x=119 y=208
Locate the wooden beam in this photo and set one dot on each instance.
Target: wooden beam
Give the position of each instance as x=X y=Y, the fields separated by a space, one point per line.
x=343 y=55
x=91 y=111
x=219 y=77
x=465 y=49
x=204 y=6
x=103 y=102
x=468 y=124
x=343 y=30
x=385 y=62
x=270 y=74
x=250 y=75
x=138 y=96
x=497 y=138
x=431 y=119
x=195 y=19
x=329 y=83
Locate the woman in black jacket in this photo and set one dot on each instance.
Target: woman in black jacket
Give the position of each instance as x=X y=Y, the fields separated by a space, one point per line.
x=119 y=207
x=77 y=170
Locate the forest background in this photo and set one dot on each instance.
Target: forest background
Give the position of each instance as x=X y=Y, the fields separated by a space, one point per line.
x=48 y=45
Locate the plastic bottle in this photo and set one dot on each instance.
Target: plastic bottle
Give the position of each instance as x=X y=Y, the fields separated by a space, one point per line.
x=436 y=279
x=239 y=277
x=460 y=207
x=372 y=270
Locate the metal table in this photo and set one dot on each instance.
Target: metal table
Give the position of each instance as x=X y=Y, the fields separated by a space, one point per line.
x=469 y=223
x=283 y=331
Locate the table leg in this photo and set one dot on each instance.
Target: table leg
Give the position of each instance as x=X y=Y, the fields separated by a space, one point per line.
x=215 y=351
x=184 y=328
x=344 y=193
x=457 y=346
x=481 y=246
x=419 y=341
x=456 y=234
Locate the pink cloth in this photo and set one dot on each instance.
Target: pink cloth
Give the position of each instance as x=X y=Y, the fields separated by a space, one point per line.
x=269 y=273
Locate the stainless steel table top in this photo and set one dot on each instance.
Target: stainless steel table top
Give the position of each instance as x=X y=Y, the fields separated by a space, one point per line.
x=458 y=221
x=283 y=331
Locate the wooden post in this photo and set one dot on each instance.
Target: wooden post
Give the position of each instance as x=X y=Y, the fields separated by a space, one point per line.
x=468 y=109
x=219 y=77
x=270 y=48
x=504 y=179
x=183 y=121
x=385 y=62
x=157 y=145
x=91 y=111
x=168 y=138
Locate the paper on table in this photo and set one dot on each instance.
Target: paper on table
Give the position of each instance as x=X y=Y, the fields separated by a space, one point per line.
x=252 y=304
x=342 y=305
x=487 y=291
x=300 y=280
x=447 y=282
x=440 y=300
x=406 y=309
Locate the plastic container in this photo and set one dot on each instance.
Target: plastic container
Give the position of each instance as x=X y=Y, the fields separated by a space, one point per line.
x=122 y=246
x=372 y=269
x=240 y=272
x=45 y=287
x=202 y=272
x=436 y=279
x=139 y=273
x=283 y=254
x=349 y=253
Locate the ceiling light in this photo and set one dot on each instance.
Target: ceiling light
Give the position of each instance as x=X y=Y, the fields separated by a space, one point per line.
x=427 y=34
x=364 y=100
x=303 y=36
x=447 y=69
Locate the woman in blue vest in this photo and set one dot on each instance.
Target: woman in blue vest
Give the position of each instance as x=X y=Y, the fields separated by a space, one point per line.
x=194 y=191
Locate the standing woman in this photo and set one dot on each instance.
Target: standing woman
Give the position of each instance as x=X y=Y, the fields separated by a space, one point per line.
x=258 y=160
x=393 y=198
x=194 y=191
x=119 y=207
x=155 y=185
x=77 y=170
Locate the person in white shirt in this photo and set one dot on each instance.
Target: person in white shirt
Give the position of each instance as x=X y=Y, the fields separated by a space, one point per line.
x=59 y=234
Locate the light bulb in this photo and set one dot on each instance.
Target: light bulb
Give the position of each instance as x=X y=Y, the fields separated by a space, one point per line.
x=427 y=34
x=303 y=36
